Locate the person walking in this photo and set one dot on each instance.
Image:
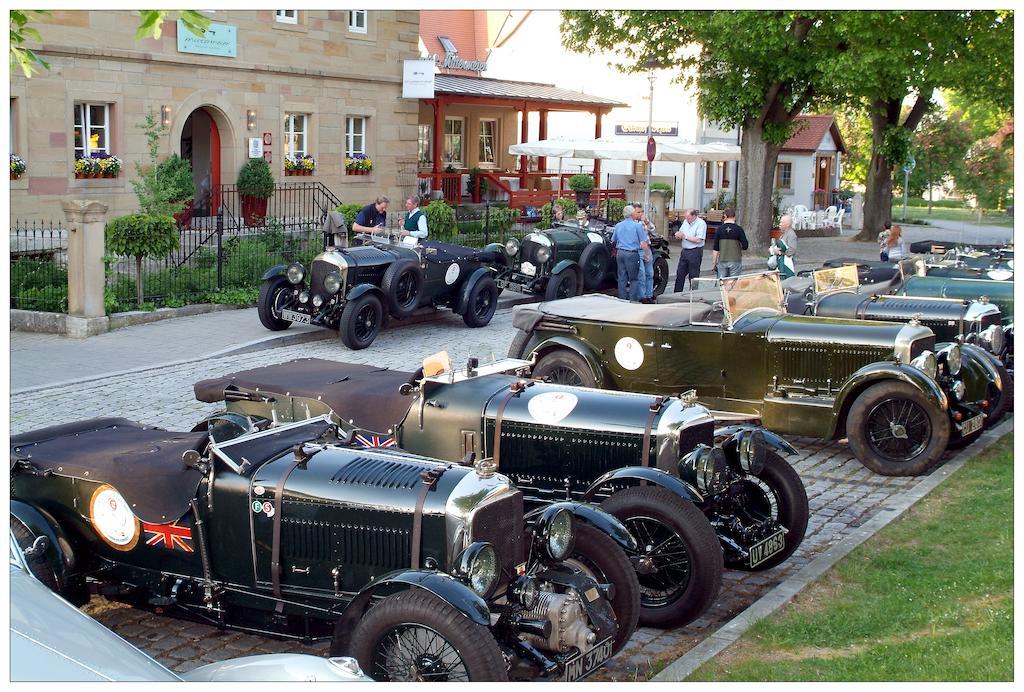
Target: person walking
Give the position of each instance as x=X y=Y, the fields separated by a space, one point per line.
x=693 y=231
x=730 y=242
x=783 y=250
x=630 y=241
x=415 y=220
x=373 y=217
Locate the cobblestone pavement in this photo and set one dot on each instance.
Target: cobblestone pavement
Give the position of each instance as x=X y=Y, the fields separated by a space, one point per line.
x=842 y=493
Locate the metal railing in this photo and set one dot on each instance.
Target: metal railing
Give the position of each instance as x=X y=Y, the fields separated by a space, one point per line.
x=39 y=266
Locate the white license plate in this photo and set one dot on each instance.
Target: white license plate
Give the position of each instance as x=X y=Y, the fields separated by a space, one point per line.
x=585 y=664
x=972 y=425
x=763 y=550
x=528 y=269
x=297 y=317
x=507 y=285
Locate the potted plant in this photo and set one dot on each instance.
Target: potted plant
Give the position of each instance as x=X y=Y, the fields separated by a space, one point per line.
x=358 y=164
x=18 y=167
x=175 y=173
x=84 y=168
x=299 y=165
x=582 y=185
x=255 y=186
x=109 y=166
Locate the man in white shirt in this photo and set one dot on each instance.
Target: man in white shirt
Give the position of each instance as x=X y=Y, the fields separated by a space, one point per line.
x=415 y=220
x=692 y=232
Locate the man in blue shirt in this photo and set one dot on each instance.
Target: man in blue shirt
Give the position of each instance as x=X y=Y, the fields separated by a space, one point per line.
x=372 y=217
x=630 y=240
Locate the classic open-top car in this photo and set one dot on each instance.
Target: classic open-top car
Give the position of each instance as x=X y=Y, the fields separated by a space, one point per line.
x=877 y=383
x=975 y=324
x=568 y=259
x=351 y=288
x=558 y=442
x=420 y=570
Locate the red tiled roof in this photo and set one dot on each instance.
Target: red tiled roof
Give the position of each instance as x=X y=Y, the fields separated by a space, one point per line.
x=811 y=129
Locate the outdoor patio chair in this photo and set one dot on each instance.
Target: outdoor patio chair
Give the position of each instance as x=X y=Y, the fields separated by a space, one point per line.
x=839 y=219
x=800 y=216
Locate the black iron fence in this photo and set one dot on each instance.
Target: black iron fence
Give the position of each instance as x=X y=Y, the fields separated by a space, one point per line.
x=39 y=266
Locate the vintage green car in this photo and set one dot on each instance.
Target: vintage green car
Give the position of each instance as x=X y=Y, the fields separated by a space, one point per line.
x=975 y=324
x=877 y=383
x=350 y=289
x=568 y=260
x=691 y=495
x=421 y=570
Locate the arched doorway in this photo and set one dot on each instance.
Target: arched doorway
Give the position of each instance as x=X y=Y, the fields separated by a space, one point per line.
x=200 y=144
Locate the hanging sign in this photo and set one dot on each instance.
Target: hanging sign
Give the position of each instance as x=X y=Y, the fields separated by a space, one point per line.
x=255 y=148
x=418 y=79
x=652 y=148
x=658 y=129
x=219 y=39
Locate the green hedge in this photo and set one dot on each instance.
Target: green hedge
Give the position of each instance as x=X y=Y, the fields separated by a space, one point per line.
x=38 y=284
x=569 y=206
x=939 y=203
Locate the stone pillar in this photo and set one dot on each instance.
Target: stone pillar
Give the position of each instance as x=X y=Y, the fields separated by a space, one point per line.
x=857 y=213
x=658 y=216
x=86 y=276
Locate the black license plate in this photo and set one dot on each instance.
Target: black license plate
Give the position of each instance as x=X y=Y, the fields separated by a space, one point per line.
x=297 y=317
x=585 y=664
x=763 y=550
x=507 y=285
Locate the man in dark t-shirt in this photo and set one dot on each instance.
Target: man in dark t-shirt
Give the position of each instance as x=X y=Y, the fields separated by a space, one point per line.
x=730 y=242
x=372 y=217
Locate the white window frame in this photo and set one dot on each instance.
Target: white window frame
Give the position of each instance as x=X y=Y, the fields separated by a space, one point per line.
x=428 y=159
x=726 y=178
x=460 y=162
x=14 y=121
x=286 y=16
x=351 y=135
x=290 y=131
x=87 y=128
x=494 y=141
x=354 y=24
x=778 y=175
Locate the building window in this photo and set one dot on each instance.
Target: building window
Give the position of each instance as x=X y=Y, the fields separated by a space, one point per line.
x=14 y=123
x=92 y=129
x=287 y=16
x=784 y=176
x=423 y=142
x=709 y=176
x=453 y=128
x=355 y=135
x=296 y=142
x=488 y=140
x=357 y=21
x=725 y=175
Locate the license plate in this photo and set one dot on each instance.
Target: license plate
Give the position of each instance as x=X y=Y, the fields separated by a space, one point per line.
x=972 y=425
x=585 y=664
x=297 y=317
x=763 y=550
x=506 y=285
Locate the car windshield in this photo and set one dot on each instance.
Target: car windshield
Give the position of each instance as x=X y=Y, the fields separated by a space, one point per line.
x=834 y=279
x=749 y=291
x=387 y=237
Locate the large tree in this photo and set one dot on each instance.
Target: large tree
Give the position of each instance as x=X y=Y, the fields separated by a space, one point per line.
x=753 y=70
x=940 y=146
x=898 y=60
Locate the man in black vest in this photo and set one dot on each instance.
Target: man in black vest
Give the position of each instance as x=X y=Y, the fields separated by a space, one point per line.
x=415 y=220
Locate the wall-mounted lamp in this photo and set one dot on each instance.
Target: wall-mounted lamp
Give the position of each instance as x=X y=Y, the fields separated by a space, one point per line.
x=165 y=115
x=824 y=163
x=250 y=120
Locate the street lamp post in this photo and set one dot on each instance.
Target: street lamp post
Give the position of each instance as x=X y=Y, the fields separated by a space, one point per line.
x=651 y=64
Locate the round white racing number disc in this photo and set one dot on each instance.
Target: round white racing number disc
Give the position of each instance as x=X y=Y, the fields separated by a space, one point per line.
x=551 y=407
x=629 y=353
x=113 y=519
x=452 y=275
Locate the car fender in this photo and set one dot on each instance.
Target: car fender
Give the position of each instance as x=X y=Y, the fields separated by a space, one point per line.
x=581 y=348
x=566 y=264
x=443 y=586
x=276 y=270
x=773 y=440
x=467 y=287
x=59 y=553
x=502 y=257
x=360 y=290
x=878 y=372
x=985 y=360
x=660 y=478
x=594 y=516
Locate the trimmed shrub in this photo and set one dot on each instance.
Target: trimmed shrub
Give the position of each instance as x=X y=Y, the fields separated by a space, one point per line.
x=255 y=179
x=569 y=206
x=440 y=219
x=349 y=211
x=141 y=236
x=175 y=173
x=581 y=183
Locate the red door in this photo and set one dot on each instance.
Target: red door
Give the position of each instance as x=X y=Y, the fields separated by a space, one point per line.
x=214 y=164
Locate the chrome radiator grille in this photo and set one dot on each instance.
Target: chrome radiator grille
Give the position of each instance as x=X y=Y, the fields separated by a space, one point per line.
x=317 y=274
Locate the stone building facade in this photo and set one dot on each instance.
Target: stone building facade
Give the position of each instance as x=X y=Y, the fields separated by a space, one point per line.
x=322 y=82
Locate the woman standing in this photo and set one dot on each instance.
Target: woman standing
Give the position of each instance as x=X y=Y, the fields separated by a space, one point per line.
x=896 y=247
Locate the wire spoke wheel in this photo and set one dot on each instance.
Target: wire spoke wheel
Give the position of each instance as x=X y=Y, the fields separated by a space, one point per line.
x=416 y=653
x=366 y=322
x=482 y=304
x=407 y=290
x=669 y=561
x=898 y=429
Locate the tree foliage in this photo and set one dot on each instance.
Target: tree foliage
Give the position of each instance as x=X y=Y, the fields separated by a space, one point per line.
x=940 y=146
x=989 y=169
x=156 y=189
x=141 y=236
x=855 y=128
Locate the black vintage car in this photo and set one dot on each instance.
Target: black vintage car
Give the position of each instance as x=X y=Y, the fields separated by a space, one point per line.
x=690 y=494
x=351 y=288
x=421 y=570
x=568 y=259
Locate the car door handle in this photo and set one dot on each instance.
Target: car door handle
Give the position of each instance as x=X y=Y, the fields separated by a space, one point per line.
x=666 y=345
x=649 y=345
x=300 y=570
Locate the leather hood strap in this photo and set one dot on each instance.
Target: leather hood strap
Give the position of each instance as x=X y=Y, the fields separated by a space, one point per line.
x=645 y=452
x=514 y=390
x=428 y=480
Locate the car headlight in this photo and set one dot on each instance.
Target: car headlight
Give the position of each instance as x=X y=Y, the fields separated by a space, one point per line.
x=512 y=247
x=705 y=467
x=926 y=363
x=952 y=358
x=332 y=282
x=526 y=591
x=555 y=533
x=958 y=389
x=752 y=451
x=318 y=300
x=478 y=566
x=543 y=254
x=295 y=273
x=993 y=338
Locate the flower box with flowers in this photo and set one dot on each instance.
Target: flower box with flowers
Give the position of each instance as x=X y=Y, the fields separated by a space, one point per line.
x=18 y=167
x=299 y=165
x=98 y=165
x=358 y=164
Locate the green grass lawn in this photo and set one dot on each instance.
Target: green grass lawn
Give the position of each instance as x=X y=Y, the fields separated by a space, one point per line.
x=969 y=216
x=930 y=597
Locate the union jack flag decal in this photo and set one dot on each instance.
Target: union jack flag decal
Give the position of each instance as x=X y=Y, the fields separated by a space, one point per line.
x=368 y=440
x=170 y=536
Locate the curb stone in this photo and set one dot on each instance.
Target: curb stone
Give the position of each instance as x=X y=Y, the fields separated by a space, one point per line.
x=730 y=632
